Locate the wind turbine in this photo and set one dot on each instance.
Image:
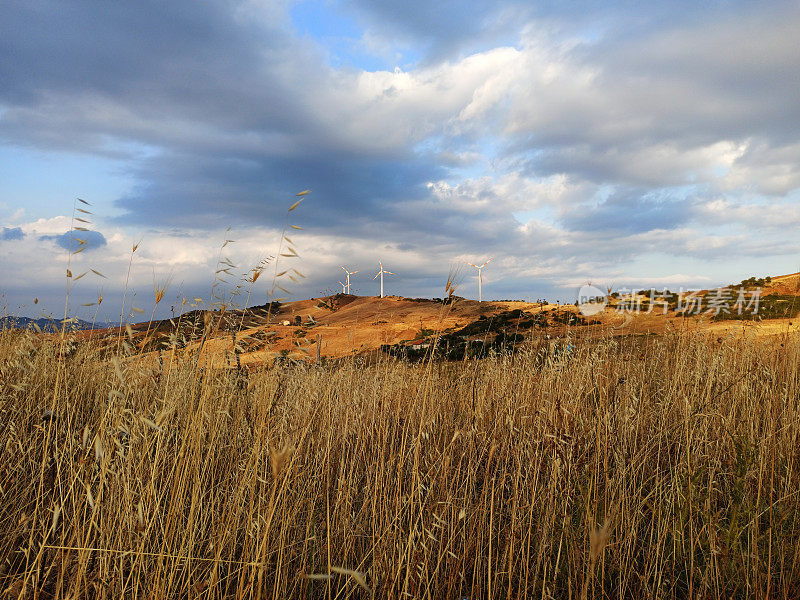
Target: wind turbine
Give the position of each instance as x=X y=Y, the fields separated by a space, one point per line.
x=348 y=278
x=381 y=271
x=343 y=286
x=480 y=277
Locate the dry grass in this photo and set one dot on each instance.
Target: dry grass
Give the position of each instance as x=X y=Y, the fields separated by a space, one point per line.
x=658 y=468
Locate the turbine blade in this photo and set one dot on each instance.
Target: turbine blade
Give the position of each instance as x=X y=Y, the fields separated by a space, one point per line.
x=390 y=273
x=376 y=276
x=471 y=265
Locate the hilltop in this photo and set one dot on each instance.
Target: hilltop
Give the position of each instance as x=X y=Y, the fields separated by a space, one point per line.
x=781 y=284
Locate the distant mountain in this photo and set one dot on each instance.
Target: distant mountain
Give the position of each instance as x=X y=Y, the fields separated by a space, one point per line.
x=49 y=324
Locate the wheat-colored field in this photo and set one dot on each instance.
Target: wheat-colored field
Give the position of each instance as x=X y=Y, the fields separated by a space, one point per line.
x=652 y=467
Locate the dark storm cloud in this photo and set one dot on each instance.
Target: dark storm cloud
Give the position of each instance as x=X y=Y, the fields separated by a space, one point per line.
x=118 y=48
x=223 y=100
x=71 y=240
x=77 y=74
x=11 y=233
x=441 y=29
x=449 y=28
x=628 y=212
x=350 y=193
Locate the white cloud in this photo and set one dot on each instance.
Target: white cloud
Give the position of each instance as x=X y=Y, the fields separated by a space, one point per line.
x=503 y=195
x=51 y=226
x=766 y=169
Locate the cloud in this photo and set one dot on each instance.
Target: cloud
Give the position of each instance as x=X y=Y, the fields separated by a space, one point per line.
x=765 y=168
x=11 y=233
x=773 y=216
x=449 y=29
x=627 y=211
x=72 y=240
x=562 y=138
x=215 y=87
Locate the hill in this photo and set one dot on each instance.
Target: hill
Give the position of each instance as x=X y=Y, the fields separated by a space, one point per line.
x=341 y=325
x=50 y=325
x=783 y=284
x=333 y=327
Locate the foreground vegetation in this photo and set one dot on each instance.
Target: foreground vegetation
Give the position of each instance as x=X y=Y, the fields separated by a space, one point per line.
x=634 y=468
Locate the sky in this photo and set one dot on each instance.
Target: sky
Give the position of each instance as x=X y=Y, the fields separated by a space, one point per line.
x=629 y=144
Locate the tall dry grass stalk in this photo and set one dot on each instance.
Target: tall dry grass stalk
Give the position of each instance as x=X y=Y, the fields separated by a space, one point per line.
x=637 y=468
x=286 y=250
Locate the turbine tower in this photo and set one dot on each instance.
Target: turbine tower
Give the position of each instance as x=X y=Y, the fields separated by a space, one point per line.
x=480 y=277
x=348 y=278
x=381 y=271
